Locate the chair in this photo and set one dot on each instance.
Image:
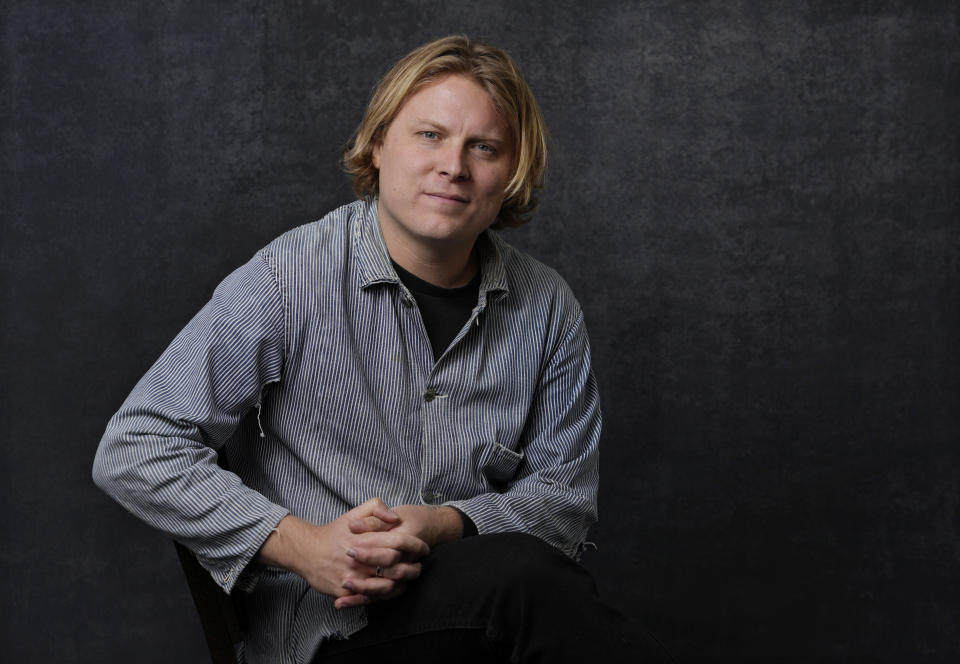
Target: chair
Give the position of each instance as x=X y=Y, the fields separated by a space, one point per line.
x=218 y=613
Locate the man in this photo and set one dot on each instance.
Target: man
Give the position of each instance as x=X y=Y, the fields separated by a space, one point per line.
x=394 y=353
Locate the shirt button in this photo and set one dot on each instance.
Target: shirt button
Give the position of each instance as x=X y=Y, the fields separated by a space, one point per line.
x=429 y=395
x=430 y=497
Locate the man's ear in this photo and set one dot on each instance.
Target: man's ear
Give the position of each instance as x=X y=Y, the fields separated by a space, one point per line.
x=376 y=154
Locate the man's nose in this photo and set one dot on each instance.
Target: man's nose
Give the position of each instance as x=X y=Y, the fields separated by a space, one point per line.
x=453 y=162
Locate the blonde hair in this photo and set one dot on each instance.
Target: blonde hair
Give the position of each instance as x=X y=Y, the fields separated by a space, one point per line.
x=496 y=72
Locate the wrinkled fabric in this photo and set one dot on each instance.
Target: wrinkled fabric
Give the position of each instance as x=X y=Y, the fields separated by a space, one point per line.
x=311 y=371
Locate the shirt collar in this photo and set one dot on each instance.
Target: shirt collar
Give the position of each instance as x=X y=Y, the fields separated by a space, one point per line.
x=369 y=247
x=374 y=260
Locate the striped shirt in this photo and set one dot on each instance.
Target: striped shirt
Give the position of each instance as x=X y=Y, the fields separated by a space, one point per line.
x=311 y=370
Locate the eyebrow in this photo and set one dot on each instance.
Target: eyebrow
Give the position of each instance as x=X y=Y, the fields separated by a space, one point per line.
x=423 y=122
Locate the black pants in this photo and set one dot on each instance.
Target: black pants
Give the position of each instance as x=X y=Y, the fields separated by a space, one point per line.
x=496 y=598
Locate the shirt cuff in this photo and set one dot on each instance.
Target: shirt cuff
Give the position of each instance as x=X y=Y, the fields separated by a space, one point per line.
x=469 y=527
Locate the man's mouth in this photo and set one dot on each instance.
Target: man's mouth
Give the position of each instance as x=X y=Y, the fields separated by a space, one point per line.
x=449 y=197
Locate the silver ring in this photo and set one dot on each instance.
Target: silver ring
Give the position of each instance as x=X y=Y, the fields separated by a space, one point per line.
x=379 y=571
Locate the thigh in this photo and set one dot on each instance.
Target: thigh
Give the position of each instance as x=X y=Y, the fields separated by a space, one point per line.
x=452 y=604
x=502 y=597
x=464 y=583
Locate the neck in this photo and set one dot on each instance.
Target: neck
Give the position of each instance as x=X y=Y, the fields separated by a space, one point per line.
x=441 y=264
x=443 y=270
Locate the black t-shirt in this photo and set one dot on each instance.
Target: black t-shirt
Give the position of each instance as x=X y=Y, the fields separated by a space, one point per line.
x=444 y=310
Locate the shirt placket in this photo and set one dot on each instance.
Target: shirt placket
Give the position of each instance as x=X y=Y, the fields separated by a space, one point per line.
x=422 y=374
x=435 y=407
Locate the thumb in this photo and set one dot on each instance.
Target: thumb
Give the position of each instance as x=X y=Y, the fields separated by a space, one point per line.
x=370 y=524
x=374 y=507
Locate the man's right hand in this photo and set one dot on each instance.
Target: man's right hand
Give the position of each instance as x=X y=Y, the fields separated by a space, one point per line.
x=324 y=555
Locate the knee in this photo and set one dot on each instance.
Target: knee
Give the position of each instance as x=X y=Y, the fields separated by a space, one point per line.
x=523 y=563
x=521 y=547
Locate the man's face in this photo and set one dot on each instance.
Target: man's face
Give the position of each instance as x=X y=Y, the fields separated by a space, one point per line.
x=444 y=165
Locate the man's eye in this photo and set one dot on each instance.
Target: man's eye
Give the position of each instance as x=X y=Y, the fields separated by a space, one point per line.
x=430 y=135
x=483 y=147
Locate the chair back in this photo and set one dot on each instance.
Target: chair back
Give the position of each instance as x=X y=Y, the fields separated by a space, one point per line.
x=218 y=612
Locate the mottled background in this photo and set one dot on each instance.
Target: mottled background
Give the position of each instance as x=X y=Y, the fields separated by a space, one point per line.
x=758 y=204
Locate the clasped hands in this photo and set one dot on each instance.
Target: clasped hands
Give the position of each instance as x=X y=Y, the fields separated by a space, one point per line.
x=341 y=558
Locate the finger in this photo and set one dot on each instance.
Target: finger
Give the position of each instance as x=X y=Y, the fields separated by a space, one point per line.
x=402 y=572
x=376 y=507
x=374 y=557
x=349 y=601
x=398 y=572
x=357 y=599
x=387 y=549
x=408 y=544
x=398 y=589
x=386 y=514
x=373 y=586
x=369 y=524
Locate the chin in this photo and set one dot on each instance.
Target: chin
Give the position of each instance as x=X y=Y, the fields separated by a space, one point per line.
x=443 y=229
x=440 y=232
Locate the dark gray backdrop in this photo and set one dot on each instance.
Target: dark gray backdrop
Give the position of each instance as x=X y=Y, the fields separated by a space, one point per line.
x=756 y=202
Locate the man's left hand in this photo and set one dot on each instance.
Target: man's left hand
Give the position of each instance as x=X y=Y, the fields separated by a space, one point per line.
x=431 y=524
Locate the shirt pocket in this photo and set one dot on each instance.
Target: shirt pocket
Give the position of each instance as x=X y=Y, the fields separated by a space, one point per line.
x=499 y=464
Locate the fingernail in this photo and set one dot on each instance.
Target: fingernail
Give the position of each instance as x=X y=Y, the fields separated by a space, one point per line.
x=352 y=552
x=348 y=585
